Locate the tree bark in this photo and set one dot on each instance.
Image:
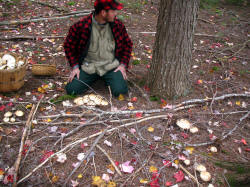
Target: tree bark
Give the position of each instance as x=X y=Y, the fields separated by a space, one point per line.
x=169 y=71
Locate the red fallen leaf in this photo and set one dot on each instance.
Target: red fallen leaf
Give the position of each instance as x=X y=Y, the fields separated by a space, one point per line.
x=25 y=149
x=133 y=160
x=212 y=137
x=168 y=183
x=46 y=155
x=82 y=145
x=2 y=108
x=225 y=124
x=148 y=66
x=234 y=58
x=179 y=176
x=167 y=163
x=151 y=147
x=243 y=141
x=10 y=178
x=154 y=180
x=134 y=142
x=247 y=149
x=117 y=163
x=138 y=114
x=10 y=104
x=134 y=99
x=184 y=135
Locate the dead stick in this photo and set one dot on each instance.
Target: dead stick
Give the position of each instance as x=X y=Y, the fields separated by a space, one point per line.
x=110 y=159
x=189 y=174
x=18 y=160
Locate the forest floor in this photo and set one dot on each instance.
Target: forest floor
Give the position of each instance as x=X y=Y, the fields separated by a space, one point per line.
x=138 y=132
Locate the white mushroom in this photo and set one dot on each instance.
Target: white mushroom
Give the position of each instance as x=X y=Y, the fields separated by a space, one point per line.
x=183 y=124
x=213 y=149
x=205 y=176
x=6 y=120
x=210 y=185
x=9 y=60
x=12 y=119
x=194 y=130
x=187 y=162
x=19 y=113
x=1 y=61
x=3 y=67
x=200 y=168
x=104 y=103
x=8 y=114
x=79 y=101
x=20 y=63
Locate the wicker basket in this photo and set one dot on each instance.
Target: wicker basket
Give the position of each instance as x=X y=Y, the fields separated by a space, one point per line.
x=44 y=69
x=13 y=80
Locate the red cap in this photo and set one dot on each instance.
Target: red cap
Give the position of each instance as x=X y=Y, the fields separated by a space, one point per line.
x=108 y=4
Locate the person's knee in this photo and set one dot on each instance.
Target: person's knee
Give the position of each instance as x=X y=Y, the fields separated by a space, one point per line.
x=73 y=89
x=119 y=89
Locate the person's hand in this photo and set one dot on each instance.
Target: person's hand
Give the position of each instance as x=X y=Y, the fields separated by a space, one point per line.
x=123 y=71
x=74 y=72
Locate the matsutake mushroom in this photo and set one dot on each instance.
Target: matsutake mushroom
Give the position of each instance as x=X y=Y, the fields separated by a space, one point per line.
x=9 y=60
x=183 y=124
x=12 y=119
x=193 y=129
x=213 y=149
x=8 y=114
x=200 y=168
x=19 y=113
x=91 y=100
x=6 y=120
x=205 y=176
x=187 y=162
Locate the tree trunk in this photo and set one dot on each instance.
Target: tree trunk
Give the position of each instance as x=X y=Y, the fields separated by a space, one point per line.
x=169 y=71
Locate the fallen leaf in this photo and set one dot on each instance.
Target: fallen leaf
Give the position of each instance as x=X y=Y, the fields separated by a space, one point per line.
x=2 y=107
x=61 y=157
x=199 y=81
x=154 y=180
x=189 y=149
x=238 y=103
x=111 y=184
x=79 y=176
x=46 y=155
x=134 y=99
x=153 y=169
x=55 y=179
x=179 y=176
x=151 y=129
x=167 y=163
x=138 y=114
x=97 y=181
x=168 y=183
x=243 y=141
x=121 y=97
x=105 y=177
x=74 y=183
x=126 y=168
x=144 y=181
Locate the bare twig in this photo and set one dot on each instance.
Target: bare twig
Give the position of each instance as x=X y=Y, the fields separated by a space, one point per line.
x=189 y=174
x=18 y=160
x=110 y=159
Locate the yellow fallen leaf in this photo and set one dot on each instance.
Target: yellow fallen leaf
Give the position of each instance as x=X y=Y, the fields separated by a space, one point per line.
x=111 y=167
x=153 y=169
x=65 y=83
x=143 y=181
x=1 y=172
x=49 y=120
x=238 y=103
x=176 y=162
x=97 y=181
x=28 y=106
x=41 y=90
x=79 y=176
x=1 y=138
x=131 y=107
x=55 y=179
x=121 y=97
x=151 y=129
x=111 y=184
x=190 y=150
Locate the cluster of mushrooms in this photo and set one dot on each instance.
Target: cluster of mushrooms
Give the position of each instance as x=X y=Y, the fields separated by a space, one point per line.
x=8 y=62
x=9 y=117
x=91 y=100
x=186 y=125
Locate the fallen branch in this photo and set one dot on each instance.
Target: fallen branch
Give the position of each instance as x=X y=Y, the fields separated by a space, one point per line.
x=189 y=174
x=223 y=137
x=9 y=38
x=15 y=22
x=110 y=159
x=71 y=145
x=86 y=155
x=18 y=160
x=50 y=6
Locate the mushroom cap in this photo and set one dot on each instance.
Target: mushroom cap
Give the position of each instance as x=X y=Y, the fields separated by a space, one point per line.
x=6 y=119
x=8 y=114
x=213 y=149
x=20 y=63
x=19 y=113
x=205 y=176
x=187 y=162
x=9 y=60
x=79 y=101
x=194 y=129
x=183 y=124
x=12 y=119
x=200 y=168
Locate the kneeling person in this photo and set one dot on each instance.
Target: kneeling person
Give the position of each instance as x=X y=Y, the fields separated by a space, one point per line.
x=98 y=47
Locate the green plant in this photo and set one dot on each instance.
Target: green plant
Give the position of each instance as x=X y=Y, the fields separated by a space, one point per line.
x=208 y=4
x=136 y=62
x=71 y=3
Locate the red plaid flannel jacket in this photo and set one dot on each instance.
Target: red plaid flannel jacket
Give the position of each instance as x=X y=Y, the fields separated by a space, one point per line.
x=78 y=40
